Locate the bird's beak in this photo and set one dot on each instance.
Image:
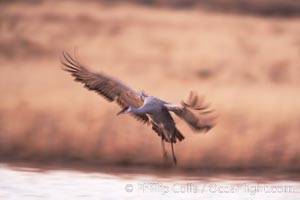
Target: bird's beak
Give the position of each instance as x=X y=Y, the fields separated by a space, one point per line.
x=122 y=111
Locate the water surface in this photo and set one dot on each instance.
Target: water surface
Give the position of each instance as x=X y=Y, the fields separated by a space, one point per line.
x=35 y=183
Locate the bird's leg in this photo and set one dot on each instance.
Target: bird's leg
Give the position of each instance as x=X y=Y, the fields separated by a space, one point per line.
x=165 y=154
x=173 y=154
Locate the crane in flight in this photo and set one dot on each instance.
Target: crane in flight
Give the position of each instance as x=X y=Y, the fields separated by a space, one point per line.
x=148 y=109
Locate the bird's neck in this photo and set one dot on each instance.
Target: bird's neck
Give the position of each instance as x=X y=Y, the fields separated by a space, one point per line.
x=137 y=111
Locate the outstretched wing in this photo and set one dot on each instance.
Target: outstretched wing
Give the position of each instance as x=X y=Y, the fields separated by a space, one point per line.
x=109 y=88
x=194 y=112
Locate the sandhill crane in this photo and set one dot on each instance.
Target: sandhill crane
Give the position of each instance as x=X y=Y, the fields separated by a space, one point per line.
x=148 y=109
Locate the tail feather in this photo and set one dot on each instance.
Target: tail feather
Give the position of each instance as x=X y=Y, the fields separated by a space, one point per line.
x=167 y=138
x=178 y=134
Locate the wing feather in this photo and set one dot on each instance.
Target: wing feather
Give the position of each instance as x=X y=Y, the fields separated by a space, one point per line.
x=109 y=88
x=194 y=112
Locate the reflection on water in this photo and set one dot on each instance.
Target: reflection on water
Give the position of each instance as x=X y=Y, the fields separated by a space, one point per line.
x=31 y=183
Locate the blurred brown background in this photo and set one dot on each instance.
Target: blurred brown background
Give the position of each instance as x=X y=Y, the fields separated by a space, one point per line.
x=244 y=56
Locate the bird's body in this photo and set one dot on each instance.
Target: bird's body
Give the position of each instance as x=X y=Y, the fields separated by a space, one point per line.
x=155 y=109
x=148 y=109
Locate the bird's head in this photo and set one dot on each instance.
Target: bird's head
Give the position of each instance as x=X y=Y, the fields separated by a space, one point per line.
x=126 y=109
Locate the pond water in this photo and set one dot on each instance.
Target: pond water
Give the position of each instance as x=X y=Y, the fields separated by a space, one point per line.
x=35 y=183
